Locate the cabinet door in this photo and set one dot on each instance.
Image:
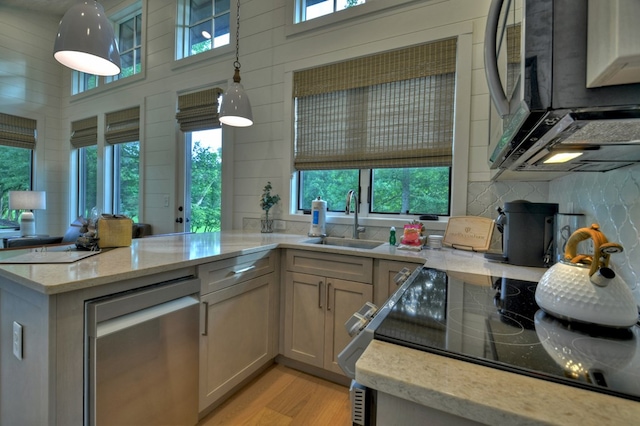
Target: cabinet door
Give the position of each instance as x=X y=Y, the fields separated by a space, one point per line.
x=237 y=335
x=385 y=271
x=304 y=318
x=343 y=299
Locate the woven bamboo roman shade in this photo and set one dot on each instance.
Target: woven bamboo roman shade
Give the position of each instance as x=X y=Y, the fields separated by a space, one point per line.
x=18 y=132
x=199 y=110
x=84 y=132
x=394 y=109
x=123 y=126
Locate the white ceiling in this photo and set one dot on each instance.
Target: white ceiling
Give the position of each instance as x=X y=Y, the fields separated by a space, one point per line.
x=54 y=7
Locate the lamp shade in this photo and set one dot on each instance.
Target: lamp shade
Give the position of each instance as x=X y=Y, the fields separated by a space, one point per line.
x=85 y=40
x=236 y=109
x=27 y=200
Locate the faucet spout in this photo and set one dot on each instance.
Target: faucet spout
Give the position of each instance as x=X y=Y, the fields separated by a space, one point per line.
x=356 y=227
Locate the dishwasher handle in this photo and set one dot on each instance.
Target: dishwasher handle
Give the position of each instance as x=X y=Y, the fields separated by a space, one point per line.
x=132 y=319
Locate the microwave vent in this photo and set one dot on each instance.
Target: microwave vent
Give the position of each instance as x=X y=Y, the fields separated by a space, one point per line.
x=606 y=132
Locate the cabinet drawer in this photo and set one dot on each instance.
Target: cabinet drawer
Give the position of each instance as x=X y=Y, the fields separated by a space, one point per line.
x=224 y=273
x=351 y=268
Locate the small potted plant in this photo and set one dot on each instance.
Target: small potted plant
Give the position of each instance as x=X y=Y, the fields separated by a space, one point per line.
x=266 y=202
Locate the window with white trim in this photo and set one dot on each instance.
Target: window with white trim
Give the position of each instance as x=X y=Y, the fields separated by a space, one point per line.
x=84 y=139
x=310 y=9
x=203 y=25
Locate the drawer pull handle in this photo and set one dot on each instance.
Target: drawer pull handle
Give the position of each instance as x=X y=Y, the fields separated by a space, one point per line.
x=241 y=270
x=320 y=294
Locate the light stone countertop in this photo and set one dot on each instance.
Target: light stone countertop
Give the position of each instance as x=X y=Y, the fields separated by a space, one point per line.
x=484 y=394
x=158 y=254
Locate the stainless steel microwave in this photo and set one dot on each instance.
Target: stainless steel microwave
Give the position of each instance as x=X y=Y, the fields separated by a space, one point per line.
x=536 y=62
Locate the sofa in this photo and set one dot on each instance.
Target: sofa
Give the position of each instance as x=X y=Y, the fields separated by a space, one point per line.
x=138 y=230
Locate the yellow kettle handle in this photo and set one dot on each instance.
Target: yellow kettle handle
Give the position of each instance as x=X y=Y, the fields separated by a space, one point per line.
x=601 y=246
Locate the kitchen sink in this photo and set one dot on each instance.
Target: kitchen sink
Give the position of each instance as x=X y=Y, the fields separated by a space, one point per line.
x=346 y=242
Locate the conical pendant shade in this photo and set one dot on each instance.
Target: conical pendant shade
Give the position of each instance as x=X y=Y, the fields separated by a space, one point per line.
x=85 y=41
x=236 y=108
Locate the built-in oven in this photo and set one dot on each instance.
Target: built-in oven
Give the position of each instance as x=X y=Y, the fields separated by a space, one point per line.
x=495 y=322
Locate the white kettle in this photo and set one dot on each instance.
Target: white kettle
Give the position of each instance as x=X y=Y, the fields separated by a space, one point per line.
x=575 y=291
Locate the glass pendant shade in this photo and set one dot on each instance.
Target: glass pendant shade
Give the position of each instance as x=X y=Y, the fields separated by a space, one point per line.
x=236 y=109
x=85 y=40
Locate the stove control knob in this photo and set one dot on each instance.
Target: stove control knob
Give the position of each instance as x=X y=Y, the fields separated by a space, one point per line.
x=355 y=324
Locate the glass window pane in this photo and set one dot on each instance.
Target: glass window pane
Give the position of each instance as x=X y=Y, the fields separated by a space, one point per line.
x=221 y=6
x=15 y=176
x=205 y=180
x=330 y=185
x=127 y=31
x=420 y=190
x=127 y=179
x=199 y=10
x=87 y=180
x=200 y=38
x=221 y=26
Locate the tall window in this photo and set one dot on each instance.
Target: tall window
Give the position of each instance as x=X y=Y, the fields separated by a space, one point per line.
x=84 y=139
x=122 y=133
x=388 y=134
x=17 y=141
x=309 y=9
x=203 y=25
x=129 y=33
x=198 y=119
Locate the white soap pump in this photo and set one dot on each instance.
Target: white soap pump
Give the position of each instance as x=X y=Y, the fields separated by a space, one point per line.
x=318 y=218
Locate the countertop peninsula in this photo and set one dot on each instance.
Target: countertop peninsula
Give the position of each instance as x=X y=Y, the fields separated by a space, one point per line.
x=461 y=388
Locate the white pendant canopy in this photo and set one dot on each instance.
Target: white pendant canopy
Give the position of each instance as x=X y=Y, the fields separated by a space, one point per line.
x=86 y=42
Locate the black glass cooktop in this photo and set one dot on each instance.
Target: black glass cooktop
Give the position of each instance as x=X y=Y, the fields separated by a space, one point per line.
x=495 y=322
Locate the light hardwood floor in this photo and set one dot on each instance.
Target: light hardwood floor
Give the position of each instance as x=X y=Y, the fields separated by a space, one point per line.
x=283 y=396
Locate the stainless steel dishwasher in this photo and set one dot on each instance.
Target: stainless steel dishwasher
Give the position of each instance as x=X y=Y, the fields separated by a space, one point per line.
x=141 y=356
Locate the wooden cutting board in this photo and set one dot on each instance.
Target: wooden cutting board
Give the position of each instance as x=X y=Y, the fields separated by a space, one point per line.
x=469 y=233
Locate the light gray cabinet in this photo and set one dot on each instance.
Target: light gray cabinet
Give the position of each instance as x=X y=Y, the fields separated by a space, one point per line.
x=239 y=323
x=385 y=271
x=317 y=305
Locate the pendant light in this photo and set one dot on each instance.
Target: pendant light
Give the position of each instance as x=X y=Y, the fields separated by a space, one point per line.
x=85 y=40
x=236 y=109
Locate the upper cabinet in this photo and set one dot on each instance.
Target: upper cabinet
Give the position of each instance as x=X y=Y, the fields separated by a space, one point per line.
x=613 y=54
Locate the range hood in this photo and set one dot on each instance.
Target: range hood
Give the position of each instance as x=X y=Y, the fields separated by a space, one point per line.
x=602 y=140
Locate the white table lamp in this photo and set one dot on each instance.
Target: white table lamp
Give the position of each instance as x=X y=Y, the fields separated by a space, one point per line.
x=27 y=200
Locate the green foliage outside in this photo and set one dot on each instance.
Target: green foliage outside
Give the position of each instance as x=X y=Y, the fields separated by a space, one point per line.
x=88 y=179
x=422 y=190
x=16 y=176
x=129 y=177
x=206 y=188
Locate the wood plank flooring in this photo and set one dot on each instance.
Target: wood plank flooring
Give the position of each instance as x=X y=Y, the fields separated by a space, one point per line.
x=283 y=396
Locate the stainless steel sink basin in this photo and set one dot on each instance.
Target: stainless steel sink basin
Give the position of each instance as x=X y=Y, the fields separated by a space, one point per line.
x=346 y=242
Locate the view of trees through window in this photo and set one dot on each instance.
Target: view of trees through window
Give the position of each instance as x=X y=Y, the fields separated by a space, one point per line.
x=16 y=176
x=208 y=25
x=87 y=180
x=126 y=185
x=413 y=191
x=205 y=180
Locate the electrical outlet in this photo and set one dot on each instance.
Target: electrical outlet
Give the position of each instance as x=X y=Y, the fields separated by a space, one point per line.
x=166 y=201
x=280 y=225
x=17 y=340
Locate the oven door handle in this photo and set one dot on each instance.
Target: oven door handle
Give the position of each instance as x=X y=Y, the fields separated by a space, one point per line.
x=491 y=59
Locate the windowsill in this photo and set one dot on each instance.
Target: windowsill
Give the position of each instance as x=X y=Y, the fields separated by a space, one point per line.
x=202 y=57
x=114 y=85
x=398 y=222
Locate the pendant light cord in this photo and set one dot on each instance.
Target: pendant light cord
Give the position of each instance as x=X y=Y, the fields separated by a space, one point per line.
x=236 y=64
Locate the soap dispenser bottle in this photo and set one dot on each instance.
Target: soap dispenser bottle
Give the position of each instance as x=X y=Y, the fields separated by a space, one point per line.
x=392 y=236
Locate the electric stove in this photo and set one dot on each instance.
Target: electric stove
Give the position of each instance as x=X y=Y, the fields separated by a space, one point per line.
x=495 y=322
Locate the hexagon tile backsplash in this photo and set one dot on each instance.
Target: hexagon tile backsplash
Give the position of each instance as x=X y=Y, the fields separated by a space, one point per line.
x=612 y=200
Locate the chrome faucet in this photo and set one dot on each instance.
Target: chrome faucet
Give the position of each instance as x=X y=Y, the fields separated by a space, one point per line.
x=356 y=228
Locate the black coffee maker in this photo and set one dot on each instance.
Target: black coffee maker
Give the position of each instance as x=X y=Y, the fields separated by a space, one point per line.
x=528 y=230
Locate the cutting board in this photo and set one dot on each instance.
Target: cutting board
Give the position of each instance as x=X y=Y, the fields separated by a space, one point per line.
x=469 y=233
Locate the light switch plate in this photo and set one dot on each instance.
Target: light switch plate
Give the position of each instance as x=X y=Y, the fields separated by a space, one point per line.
x=17 y=340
